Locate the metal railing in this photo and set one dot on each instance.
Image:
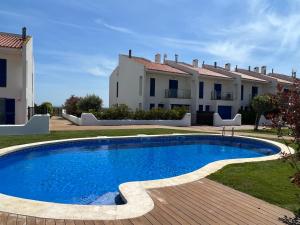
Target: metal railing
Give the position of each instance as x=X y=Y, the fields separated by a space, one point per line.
x=178 y=93
x=227 y=96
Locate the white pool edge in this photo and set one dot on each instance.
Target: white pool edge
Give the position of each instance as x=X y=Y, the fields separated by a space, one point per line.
x=138 y=200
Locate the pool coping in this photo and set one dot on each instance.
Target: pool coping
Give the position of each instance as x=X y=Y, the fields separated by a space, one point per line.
x=138 y=201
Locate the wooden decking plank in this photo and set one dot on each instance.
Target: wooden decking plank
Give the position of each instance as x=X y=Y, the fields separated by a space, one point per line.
x=70 y=222
x=21 y=220
x=248 y=198
x=59 y=222
x=226 y=209
x=32 y=220
x=152 y=220
x=155 y=213
x=200 y=216
x=98 y=222
x=175 y=210
x=89 y=222
x=49 y=222
x=12 y=219
x=140 y=220
x=211 y=216
x=3 y=218
x=40 y=221
x=240 y=207
x=126 y=222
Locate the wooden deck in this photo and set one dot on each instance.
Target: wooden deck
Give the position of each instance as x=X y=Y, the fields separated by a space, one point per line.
x=201 y=202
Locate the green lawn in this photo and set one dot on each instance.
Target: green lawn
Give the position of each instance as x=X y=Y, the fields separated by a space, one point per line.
x=6 y=141
x=273 y=131
x=265 y=180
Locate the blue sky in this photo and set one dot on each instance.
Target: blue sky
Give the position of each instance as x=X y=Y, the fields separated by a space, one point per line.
x=77 y=42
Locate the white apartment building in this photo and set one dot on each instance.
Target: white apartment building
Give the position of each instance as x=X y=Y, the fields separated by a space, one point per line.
x=16 y=77
x=143 y=84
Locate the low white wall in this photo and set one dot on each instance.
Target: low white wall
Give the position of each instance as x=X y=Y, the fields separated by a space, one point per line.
x=236 y=121
x=88 y=119
x=264 y=122
x=38 y=124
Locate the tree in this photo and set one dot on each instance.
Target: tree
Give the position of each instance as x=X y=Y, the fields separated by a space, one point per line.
x=46 y=107
x=90 y=103
x=71 y=105
x=261 y=104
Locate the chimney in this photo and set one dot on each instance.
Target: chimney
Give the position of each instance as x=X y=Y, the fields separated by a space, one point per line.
x=294 y=73
x=157 y=58
x=272 y=70
x=227 y=66
x=236 y=68
x=256 y=69
x=215 y=64
x=176 y=58
x=195 y=63
x=249 y=68
x=165 y=57
x=263 y=70
x=24 y=35
x=129 y=53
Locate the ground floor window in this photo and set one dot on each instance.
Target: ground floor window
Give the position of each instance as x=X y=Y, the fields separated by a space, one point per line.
x=152 y=106
x=7 y=111
x=161 y=106
x=200 y=108
x=207 y=108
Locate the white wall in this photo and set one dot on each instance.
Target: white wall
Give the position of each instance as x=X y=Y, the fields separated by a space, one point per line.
x=88 y=119
x=38 y=124
x=127 y=75
x=236 y=121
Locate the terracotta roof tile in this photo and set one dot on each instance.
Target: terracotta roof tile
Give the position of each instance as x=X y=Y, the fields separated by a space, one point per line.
x=248 y=77
x=282 y=78
x=11 y=40
x=206 y=72
x=157 y=66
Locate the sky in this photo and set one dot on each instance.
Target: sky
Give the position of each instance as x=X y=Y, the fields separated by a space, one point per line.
x=77 y=42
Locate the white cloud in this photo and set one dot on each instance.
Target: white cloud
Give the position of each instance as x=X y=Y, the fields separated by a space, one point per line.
x=113 y=27
x=67 y=63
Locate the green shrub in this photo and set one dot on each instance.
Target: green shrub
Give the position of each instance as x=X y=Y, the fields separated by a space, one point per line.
x=71 y=105
x=90 y=103
x=248 y=116
x=45 y=107
x=116 y=112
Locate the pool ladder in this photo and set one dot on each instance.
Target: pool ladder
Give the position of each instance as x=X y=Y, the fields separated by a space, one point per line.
x=224 y=131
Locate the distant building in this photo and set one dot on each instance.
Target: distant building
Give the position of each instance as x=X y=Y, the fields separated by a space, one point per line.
x=16 y=77
x=143 y=84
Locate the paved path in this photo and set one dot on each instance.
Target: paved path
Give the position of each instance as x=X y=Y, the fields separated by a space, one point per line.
x=201 y=202
x=60 y=124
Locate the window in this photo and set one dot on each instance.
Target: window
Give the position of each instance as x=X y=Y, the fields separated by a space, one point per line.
x=254 y=91
x=161 y=106
x=152 y=86
x=207 y=108
x=3 y=72
x=152 y=106
x=242 y=92
x=200 y=109
x=141 y=86
x=117 y=94
x=201 y=85
x=218 y=91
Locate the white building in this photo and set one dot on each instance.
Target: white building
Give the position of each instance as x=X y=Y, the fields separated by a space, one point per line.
x=16 y=77
x=143 y=84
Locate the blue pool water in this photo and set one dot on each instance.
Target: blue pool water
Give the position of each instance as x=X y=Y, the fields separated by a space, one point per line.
x=89 y=172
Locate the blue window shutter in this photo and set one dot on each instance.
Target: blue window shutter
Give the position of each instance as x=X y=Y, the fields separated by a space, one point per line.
x=3 y=72
x=152 y=86
x=201 y=88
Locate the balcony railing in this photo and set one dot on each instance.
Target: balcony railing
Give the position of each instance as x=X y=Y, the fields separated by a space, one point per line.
x=178 y=93
x=218 y=95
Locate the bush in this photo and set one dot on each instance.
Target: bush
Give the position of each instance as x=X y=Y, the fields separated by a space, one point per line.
x=90 y=103
x=248 y=116
x=71 y=105
x=45 y=107
x=123 y=112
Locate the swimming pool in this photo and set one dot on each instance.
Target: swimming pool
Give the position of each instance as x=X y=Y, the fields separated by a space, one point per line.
x=90 y=171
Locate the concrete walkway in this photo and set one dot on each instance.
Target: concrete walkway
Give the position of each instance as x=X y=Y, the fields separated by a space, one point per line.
x=60 y=124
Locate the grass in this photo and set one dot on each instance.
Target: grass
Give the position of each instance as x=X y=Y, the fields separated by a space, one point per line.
x=273 y=131
x=269 y=181
x=6 y=141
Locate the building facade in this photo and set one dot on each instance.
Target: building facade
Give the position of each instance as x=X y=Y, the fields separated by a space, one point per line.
x=143 y=84
x=16 y=77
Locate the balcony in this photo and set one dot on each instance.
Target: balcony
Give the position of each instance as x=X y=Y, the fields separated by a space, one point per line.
x=225 y=96
x=178 y=93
